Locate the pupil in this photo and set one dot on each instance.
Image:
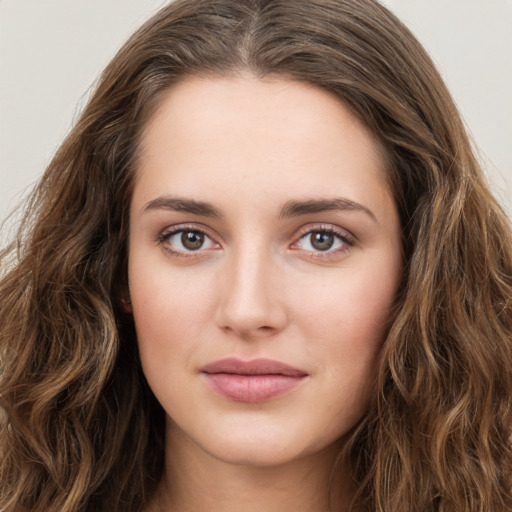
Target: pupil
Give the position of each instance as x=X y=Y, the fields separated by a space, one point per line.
x=192 y=240
x=322 y=241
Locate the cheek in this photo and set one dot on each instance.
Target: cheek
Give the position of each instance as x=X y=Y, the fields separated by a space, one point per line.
x=171 y=311
x=163 y=299
x=346 y=326
x=353 y=308
x=166 y=324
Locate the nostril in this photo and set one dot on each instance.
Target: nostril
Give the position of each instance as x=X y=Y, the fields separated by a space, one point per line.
x=247 y=332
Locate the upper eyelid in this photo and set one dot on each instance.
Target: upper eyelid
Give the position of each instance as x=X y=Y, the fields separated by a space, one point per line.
x=169 y=231
x=342 y=232
x=186 y=227
x=299 y=233
x=165 y=235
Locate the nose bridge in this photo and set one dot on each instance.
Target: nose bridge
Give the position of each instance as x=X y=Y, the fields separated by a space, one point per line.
x=250 y=297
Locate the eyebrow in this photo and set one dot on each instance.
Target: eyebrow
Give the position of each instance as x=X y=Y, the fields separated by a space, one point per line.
x=311 y=206
x=179 y=204
x=290 y=208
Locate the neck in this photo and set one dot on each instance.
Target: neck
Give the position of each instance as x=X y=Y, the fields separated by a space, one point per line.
x=196 y=481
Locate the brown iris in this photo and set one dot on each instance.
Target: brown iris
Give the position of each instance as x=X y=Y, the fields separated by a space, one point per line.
x=321 y=240
x=192 y=240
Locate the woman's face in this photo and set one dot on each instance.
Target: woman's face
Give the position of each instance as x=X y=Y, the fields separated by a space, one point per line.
x=264 y=258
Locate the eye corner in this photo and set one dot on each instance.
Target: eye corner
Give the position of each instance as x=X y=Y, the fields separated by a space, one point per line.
x=183 y=248
x=334 y=241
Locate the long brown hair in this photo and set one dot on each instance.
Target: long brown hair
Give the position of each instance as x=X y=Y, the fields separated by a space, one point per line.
x=79 y=428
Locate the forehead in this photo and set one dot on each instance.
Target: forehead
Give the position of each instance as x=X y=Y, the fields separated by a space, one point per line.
x=219 y=133
x=203 y=103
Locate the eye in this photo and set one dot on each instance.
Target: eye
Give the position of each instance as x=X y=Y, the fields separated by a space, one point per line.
x=324 y=240
x=182 y=241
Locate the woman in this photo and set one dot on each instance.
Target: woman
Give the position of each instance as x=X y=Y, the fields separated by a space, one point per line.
x=263 y=272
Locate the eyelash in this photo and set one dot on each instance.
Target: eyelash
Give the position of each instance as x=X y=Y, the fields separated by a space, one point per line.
x=168 y=233
x=345 y=238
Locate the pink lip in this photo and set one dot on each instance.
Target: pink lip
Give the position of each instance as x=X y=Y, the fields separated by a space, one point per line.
x=252 y=381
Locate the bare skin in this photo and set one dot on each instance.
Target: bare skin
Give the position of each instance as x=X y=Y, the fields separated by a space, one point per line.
x=262 y=228
x=299 y=485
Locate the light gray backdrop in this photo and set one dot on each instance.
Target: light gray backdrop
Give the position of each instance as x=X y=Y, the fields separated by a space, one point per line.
x=51 y=51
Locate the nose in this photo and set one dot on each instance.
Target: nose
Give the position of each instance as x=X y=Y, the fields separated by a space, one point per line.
x=251 y=295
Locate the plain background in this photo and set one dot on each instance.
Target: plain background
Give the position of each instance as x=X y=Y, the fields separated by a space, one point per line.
x=52 y=51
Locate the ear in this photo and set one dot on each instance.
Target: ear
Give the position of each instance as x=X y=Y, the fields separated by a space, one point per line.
x=126 y=303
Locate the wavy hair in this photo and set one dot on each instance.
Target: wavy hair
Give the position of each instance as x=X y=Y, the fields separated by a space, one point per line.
x=79 y=428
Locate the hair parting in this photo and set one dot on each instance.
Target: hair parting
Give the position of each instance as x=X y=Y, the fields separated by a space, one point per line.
x=79 y=428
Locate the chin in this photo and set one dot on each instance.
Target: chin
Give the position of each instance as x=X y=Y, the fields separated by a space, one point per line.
x=264 y=454
x=265 y=446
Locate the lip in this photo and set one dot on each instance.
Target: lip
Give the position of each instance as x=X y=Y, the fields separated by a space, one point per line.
x=252 y=381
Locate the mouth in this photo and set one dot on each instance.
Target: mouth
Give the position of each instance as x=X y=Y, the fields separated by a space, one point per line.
x=253 y=381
